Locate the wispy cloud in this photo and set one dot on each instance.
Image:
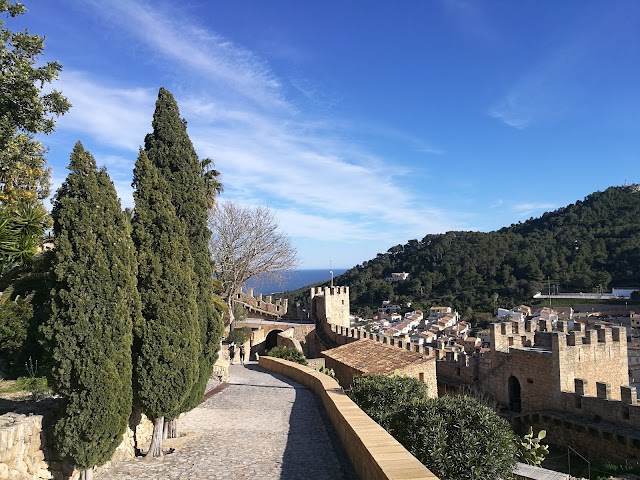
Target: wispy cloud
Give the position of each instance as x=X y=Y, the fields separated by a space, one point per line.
x=115 y=116
x=527 y=208
x=165 y=32
x=319 y=180
x=554 y=83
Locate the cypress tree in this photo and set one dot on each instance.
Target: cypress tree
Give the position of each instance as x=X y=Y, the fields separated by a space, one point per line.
x=94 y=303
x=167 y=341
x=170 y=149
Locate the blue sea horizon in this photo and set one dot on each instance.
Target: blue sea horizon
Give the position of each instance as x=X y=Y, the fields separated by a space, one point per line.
x=291 y=280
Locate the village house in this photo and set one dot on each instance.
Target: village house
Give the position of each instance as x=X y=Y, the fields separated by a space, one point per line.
x=513 y=315
x=397 y=277
x=438 y=311
x=371 y=357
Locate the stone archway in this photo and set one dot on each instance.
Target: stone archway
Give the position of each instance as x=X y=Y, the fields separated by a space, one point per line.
x=515 y=398
x=271 y=340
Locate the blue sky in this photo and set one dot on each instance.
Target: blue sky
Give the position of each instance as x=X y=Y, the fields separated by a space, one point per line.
x=361 y=124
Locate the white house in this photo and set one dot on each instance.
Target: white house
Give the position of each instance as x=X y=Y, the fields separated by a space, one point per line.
x=398 y=276
x=514 y=315
x=624 y=292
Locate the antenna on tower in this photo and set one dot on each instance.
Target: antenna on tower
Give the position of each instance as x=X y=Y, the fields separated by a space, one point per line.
x=331 y=272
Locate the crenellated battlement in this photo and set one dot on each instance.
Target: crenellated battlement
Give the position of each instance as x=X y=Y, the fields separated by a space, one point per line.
x=262 y=304
x=343 y=335
x=330 y=305
x=539 y=334
x=326 y=291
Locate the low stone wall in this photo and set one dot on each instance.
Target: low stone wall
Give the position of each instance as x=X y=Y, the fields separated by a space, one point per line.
x=25 y=450
x=374 y=454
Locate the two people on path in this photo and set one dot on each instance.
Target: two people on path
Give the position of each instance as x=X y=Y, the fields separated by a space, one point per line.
x=232 y=352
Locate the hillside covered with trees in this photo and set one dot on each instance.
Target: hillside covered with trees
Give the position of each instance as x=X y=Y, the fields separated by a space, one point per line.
x=591 y=244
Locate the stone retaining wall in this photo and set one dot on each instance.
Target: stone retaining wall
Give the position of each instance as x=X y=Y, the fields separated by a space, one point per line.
x=374 y=454
x=25 y=450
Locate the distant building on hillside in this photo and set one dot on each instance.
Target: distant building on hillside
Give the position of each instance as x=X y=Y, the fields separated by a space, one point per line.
x=624 y=292
x=397 y=277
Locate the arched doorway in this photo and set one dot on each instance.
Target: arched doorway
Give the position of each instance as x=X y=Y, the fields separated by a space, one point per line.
x=515 y=400
x=271 y=340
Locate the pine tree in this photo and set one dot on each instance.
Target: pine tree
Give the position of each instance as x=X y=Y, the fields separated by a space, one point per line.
x=170 y=149
x=167 y=341
x=94 y=305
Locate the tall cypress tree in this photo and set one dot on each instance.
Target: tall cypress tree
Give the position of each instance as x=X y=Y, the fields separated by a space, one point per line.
x=167 y=341
x=170 y=149
x=94 y=304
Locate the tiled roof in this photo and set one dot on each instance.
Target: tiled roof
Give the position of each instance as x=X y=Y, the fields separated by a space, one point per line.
x=369 y=356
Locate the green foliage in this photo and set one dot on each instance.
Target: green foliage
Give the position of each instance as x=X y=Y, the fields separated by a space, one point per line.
x=191 y=185
x=239 y=312
x=38 y=387
x=455 y=437
x=23 y=106
x=326 y=371
x=376 y=393
x=94 y=303
x=21 y=228
x=239 y=335
x=14 y=322
x=590 y=243
x=24 y=112
x=30 y=283
x=530 y=450
x=167 y=340
x=287 y=353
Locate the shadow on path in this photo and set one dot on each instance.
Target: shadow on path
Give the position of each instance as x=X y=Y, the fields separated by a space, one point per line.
x=313 y=450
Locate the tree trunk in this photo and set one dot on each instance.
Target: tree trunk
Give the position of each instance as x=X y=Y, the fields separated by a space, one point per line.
x=155 y=449
x=87 y=474
x=165 y=430
x=172 y=428
x=232 y=317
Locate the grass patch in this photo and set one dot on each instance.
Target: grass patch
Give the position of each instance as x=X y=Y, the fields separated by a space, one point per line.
x=35 y=388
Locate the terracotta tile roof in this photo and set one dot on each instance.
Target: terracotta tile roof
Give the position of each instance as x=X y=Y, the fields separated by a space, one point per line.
x=369 y=356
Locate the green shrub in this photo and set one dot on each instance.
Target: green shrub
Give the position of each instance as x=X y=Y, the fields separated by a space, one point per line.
x=288 y=354
x=326 y=371
x=14 y=322
x=379 y=396
x=455 y=437
x=239 y=335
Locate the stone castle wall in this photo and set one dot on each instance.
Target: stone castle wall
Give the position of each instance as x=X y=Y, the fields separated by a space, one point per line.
x=261 y=303
x=331 y=305
x=26 y=453
x=573 y=383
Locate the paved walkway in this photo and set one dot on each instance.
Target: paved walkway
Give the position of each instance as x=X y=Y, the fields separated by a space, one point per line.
x=263 y=426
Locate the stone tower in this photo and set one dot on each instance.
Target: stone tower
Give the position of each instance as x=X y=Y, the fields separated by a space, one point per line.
x=331 y=305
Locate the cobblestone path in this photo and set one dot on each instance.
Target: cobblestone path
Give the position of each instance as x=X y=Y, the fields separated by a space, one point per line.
x=263 y=426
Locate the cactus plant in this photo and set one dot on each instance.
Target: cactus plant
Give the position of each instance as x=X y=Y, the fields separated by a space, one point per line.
x=530 y=450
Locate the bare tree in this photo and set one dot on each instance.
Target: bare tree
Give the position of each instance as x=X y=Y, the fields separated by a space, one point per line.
x=245 y=242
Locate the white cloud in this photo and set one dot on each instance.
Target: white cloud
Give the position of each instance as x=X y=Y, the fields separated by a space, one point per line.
x=114 y=116
x=320 y=183
x=179 y=39
x=526 y=208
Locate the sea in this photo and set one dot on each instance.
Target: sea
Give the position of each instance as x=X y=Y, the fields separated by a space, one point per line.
x=291 y=280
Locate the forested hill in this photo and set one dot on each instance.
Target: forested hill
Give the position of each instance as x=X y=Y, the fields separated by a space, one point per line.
x=595 y=242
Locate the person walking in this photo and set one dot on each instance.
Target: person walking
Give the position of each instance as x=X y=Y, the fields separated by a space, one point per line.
x=242 y=354
x=232 y=351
